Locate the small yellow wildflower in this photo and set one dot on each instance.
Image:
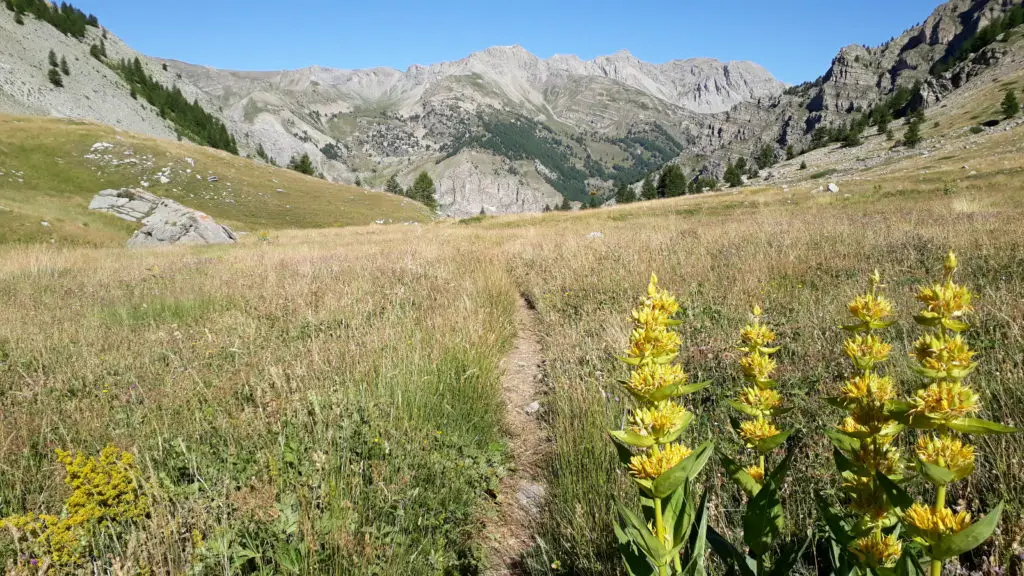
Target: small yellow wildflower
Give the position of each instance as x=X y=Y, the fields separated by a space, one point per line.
x=870 y=308
x=947 y=300
x=943 y=355
x=105 y=487
x=851 y=426
x=761 y=399
x=649 y=378
x=867 y=350
x=756 y=472
x=946 y=401
x=882 y=458
x=658 y=460
x=657 y=343
x=756 y=337
x=947 y=452
x=660 y=300
x=868 y=387
x=877 y=550
x=754 y=431
x=932 y=523
x=757 y=367
x=659 y=421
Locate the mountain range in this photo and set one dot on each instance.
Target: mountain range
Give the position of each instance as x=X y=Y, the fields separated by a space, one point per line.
x=503 y=130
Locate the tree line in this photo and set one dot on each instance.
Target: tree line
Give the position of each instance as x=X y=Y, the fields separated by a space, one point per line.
x=190 y=118
x=64 y=17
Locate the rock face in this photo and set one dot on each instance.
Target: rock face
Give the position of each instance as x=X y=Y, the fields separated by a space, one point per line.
x=164 y=221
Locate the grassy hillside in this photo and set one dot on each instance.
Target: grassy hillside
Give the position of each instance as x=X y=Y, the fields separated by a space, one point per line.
x=328 y=401
x=50 y=172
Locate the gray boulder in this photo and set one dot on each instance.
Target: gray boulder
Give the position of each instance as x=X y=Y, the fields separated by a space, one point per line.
x=164 y=221
x=833 y=188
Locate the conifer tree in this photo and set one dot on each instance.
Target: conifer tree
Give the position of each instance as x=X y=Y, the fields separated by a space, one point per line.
x=55 y=78
x=64 y=66
x=623 y=194
x=424 y=191
x=1011 y=106
x=672 y=182
x=913 y=135
x=393 y=187
x=53 y=59
x=647 y=190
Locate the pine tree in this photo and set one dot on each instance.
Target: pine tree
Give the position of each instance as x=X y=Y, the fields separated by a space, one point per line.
x=303 y=164
x=803 y=165
x=55 y=78
x=64 y=66
x=733 y=175
x=913 y=135
x=672 y=182
x=1011 y=106
x=19 y=19
x=566 y=205
x=423 y=190
x=790 y=152
x=53 y=59
x=766 y=157
x=393 y=187
x=647 y=190
x=623 y=194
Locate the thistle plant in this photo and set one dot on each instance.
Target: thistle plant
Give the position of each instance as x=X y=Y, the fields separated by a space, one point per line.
x=864 y=539
x=660 y=465
x=944 y=411
x=760 y=404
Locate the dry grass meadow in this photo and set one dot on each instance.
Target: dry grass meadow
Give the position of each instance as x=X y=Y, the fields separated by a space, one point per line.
x=327 y=401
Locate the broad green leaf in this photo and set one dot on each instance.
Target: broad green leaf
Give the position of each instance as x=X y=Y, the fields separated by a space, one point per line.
x=637 y=530
x=763 y=519
x=735 y=560
x=978 y=426
x=837 y=402
x=937 y=475
x=679 y=511
x=844 y=442
x=632 y=438
x=675 y=391
x=748 y=410
x=788 y=557
x=897 y=495
x=768 y=444
x=836 y=525
x=778 y=474
x=955 y=325
x=696 y=565
x=685 y=470
x=968 y=539
x=635 y=563
x=739 y=475
x=623 y=450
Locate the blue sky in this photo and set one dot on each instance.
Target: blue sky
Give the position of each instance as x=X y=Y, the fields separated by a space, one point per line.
x=794 y=39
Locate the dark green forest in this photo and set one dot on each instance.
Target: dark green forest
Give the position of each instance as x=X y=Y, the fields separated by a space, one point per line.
x=64 y=17
x=191 y=120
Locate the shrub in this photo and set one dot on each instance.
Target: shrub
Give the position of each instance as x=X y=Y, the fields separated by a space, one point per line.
x=803 y=165
x=977 y=129
x=302 y=164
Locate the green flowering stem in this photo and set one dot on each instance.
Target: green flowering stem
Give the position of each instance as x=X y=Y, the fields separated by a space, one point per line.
x=940 y=503
x=659 y=527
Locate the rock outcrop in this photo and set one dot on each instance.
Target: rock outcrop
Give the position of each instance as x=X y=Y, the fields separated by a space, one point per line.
x=164 y=222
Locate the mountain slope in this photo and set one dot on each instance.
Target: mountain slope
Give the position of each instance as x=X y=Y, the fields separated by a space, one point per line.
x=51 y=168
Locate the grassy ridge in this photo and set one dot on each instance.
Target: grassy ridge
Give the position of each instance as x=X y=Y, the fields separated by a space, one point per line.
x=46 y=177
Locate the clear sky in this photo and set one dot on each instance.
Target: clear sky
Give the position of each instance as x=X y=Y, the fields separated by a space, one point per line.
x=794 y=39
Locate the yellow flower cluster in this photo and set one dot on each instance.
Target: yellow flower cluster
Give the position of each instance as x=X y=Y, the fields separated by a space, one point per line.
x=653 y=463
x=948 y=452
x=946 y=401
x=655 y=381
x=758 y=400
x=105 y=489
x=932 y=523
x=877 y=550
x=658 y=421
